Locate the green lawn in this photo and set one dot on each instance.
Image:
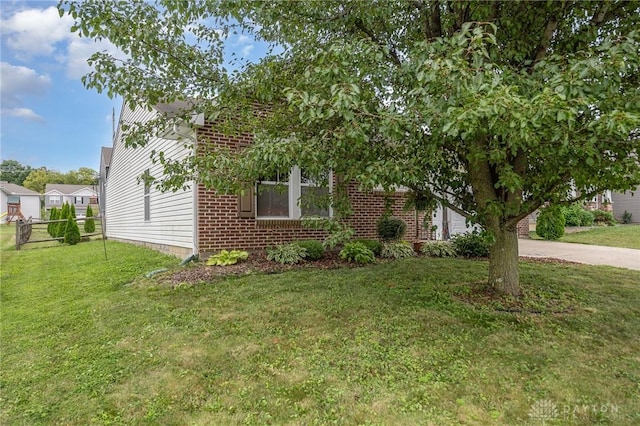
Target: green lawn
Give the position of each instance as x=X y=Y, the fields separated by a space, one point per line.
x=89 y=341
x=613 y=236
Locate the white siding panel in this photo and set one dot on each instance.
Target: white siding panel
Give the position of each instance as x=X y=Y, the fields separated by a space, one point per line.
x=30 y=206
x=629 y=201
x=171 y=222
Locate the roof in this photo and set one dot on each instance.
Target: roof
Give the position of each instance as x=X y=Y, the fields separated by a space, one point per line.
x=13 y=189
x=105 y=156
x=67 y=189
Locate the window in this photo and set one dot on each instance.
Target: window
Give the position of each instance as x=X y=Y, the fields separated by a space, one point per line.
x=291 y=195
x=55 y=199
x=147 y=196
x=78 y=200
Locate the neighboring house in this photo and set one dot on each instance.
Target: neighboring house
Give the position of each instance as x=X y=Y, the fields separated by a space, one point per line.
x=628 y=201
x=18 y=202
x=199 y=221
x=80 y=196
x=105 y=163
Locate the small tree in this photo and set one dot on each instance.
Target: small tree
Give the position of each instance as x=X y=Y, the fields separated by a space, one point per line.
x=89 y=223
x=72 y=233
x=72 y=210
x=62 y=226
x=51 y=227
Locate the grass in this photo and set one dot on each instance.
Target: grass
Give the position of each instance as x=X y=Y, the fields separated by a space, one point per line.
x=613 y=236
x=89 y=341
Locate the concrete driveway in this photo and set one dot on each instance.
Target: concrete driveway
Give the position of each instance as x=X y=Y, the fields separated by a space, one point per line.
x=581 y=253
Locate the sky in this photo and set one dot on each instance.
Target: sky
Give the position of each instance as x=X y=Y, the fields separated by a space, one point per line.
x=49 y=119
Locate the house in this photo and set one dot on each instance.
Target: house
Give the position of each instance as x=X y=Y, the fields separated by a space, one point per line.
x=80 y=196
x=628 y=201
x=105 y=163
x=18 y=202
x=197 y=220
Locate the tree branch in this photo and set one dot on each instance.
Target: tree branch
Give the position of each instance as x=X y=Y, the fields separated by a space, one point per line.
x=392 y=52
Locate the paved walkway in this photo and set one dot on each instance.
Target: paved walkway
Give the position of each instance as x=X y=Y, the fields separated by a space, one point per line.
x=581 y=253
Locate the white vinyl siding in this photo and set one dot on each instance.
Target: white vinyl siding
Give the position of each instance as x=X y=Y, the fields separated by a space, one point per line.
x=171 y=218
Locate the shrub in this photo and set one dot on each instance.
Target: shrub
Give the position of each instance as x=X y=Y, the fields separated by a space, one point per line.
x=373 y=245
x=550 y=223
x=314 y=248
x=89 y=223
x=439 y=249
x=391 y=228
x=60 y=227
x=601 y=217
x=286 y=253
x=586 y=218
x=71 y=233
x=226 y=258
x=357 y=252
x=471 y=244
x=397 y=250
x=52 y=227
x=72 y=210
x=626 y=217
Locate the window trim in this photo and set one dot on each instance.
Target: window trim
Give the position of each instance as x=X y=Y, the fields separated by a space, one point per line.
x=294 y=184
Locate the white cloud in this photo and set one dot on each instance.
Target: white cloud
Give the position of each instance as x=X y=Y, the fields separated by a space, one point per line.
x=35 y=32
x=247 y=50
x=18 y=81
x=24 y=113
x=81 y=49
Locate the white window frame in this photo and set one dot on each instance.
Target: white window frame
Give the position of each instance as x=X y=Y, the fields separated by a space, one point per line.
x=75 y=199
x=55 y=199
x=294 y=192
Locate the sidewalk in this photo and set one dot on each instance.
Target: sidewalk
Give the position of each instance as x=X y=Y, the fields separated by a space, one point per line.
x=581 y=253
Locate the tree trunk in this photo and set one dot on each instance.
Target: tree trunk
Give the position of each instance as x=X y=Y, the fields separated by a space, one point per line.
x=503 y=262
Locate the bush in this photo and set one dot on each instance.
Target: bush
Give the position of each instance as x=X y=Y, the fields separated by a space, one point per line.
x=357 y=252
x=550 y=223
x=373 y=245
x=314 y=248
x=71 y=233
x=626 y=217
x=586 y=218
x=601 y=217
x=89 y=223
x=226 y=258
x=391 y=228
x=438 y=249
x=53 y=227
x=471 y=244
x=60 y=227
x=286 y=253
x=397 y=250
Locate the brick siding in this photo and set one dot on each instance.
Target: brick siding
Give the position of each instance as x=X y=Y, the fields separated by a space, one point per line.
x=220 y=227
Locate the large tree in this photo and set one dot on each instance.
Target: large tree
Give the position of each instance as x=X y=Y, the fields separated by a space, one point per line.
x=489 y=108
x=13 y=171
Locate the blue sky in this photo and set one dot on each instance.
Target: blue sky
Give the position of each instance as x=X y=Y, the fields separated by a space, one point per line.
x=48 y=118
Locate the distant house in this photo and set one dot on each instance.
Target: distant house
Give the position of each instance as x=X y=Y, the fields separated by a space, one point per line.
x=197 y=220
x=80 y=196
x=18 y=202
x=628 y=201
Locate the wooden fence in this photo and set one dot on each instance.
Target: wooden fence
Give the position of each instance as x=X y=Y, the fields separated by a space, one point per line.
x=24 y=230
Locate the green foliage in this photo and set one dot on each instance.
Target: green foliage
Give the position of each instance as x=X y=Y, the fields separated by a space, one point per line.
x=601 y=217
x=471 y=244
x=314 y=248
x=397 y=250
x=89 y=222
x=550 y=223
x=576 y=215
x=286 y=253
x=12 y=171
x=72 y=210
x=391 y=228
x=226 y=257
x=338 y=232
x=53 y=227
x=438 y=249
x=626 y=217
x=72 y=232
x=357 y=253
x=61 y=227
x=373 y=245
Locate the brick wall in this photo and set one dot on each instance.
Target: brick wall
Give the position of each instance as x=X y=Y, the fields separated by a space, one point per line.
x=220 y=227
